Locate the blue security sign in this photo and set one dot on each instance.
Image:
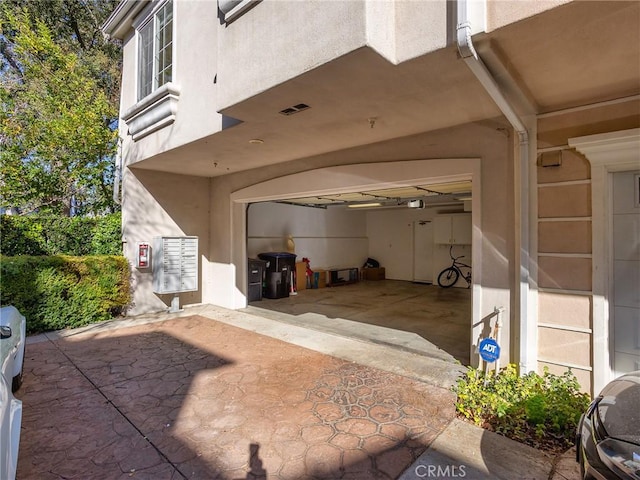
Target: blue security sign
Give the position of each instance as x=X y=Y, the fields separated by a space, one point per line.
x=489 y=350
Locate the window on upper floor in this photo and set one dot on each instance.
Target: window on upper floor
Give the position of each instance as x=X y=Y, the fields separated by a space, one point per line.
x=155 y=50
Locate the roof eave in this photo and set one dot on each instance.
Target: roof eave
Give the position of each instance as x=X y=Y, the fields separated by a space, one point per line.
x=120 y=20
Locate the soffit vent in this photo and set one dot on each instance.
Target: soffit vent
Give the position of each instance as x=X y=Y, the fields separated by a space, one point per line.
x=295 y=109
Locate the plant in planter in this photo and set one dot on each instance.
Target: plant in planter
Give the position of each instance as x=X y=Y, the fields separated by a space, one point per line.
x=539 y=410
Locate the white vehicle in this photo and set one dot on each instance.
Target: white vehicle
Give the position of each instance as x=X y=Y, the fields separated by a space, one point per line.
x=12 y=347
x=10 y=421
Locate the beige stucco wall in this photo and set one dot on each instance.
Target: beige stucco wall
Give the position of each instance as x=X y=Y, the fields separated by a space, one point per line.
x=565 y=309
x=555 y=130
x=251 y=60
x=159 y=204
x=505 y=12
x=565 y=235
x=564 y=200
x=403 y=30
x=196 y=115
x=488 y=141
x=564 y=273
x=400 y=30
x=564 y=266
x=255 y=51
x=218 y=65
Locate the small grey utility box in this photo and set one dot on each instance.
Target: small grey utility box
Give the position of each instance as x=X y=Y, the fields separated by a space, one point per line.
x=175 y=264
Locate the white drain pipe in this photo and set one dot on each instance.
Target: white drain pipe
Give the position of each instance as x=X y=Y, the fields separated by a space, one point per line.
x=527 y=344
x=117 y=174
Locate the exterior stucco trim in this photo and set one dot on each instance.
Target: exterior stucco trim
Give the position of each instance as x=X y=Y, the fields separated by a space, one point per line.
x=346 y=178
x=119 y=22
x=566 y=364
x=153 y=112
x=564 y=327
x=233 y=9
x=607 y=153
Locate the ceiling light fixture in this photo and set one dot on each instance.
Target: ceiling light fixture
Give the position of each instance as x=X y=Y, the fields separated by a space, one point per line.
x=256 y=141
x=364 y=205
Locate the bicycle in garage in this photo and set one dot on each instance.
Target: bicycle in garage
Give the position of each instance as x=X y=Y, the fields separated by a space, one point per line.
x=450 y=275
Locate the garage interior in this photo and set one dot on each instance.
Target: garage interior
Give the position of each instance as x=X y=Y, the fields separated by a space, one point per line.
x=409 y=231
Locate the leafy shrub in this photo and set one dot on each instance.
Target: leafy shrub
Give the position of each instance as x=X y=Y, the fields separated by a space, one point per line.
x=542 y=411
x=52 y=235
x=21 y=236
x=106 y=236
x=64 y=292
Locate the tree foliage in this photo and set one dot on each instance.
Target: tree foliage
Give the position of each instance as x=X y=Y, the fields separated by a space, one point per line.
x=59 y=107
x=57 y=235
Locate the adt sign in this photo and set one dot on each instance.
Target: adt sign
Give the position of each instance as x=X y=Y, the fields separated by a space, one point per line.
x=489 y=350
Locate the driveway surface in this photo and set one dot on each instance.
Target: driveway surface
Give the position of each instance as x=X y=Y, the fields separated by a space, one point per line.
x=196 y=398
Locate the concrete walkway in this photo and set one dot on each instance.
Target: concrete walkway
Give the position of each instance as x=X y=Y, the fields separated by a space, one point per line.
x=211 y=393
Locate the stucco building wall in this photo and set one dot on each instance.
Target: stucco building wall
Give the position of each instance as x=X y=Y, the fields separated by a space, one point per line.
x=159 y=204
x=565 y=301
x=394 y=65
x=491 y=142
x=194 y=74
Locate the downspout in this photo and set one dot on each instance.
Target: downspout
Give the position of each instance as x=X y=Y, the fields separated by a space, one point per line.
x=117 y=175
x=527 y=344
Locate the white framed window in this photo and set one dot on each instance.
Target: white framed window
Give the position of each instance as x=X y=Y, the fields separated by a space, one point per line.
x=155 y=50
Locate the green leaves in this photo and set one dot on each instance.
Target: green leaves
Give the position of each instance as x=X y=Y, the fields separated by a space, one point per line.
x=56 y=120
x=55 y=235
x=64 y=292
x=540 y=410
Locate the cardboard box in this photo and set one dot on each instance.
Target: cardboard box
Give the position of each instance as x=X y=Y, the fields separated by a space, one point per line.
x=301 y=276
x=373 y=273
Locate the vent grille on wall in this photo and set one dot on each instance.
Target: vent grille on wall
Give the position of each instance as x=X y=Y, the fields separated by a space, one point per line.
x=295 y=109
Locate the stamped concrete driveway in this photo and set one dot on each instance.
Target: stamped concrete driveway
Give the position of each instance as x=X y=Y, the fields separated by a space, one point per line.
x=196 y=398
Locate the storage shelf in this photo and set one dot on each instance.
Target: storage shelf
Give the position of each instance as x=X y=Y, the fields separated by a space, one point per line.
x=342 y=276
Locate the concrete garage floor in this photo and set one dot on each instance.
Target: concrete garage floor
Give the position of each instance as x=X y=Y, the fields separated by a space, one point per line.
x=440 y=317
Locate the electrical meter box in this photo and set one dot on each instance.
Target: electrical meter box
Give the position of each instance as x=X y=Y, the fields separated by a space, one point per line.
x=175 y=264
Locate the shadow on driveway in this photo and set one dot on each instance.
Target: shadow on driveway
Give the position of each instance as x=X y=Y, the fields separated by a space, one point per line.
x=196 y=398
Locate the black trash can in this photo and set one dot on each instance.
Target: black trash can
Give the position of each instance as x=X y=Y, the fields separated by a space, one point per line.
x=278 y=272
x=255 y=277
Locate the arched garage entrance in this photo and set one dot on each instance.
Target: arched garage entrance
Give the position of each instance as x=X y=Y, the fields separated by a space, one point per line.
x=355 y=178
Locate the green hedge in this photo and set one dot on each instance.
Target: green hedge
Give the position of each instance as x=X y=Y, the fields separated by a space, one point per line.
x=50 y=235
x=58 y=292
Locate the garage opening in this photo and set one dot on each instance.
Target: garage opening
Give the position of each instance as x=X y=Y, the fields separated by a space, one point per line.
x=366 y=264
x=405 y=219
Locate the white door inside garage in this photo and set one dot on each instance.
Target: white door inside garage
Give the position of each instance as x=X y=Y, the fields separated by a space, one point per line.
x=625 y=314
x=423 y=251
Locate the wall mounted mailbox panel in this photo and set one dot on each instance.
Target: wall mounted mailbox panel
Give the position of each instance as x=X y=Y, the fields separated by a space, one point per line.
x=175 y=265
